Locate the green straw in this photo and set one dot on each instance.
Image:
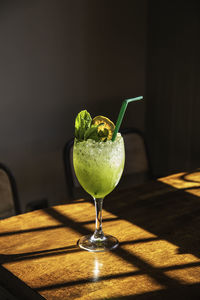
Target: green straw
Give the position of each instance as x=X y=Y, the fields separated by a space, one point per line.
x=121 y=114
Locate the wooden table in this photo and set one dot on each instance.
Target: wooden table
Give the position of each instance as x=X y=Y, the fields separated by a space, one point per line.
x=157 y=224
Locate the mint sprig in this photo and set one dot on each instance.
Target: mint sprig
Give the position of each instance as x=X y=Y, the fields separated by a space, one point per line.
x=84 y=129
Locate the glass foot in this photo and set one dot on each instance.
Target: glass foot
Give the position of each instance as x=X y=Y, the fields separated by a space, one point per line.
x=89 y=243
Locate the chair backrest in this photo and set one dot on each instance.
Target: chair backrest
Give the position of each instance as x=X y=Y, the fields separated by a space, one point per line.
x=9 y=201
x=137 y=164
x=137 y=167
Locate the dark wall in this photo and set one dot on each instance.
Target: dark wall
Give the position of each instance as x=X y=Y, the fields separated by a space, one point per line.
x=56 y=58
x=173 y=85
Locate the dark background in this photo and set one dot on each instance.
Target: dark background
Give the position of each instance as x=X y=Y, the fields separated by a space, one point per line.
x=58 y=57
x=173 y=85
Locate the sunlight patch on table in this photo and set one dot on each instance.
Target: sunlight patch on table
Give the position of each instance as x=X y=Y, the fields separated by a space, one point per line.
x=182 y=180
x=84 y=211
x=87 y=267
x=186 y=275
x=160 y=253
x=106 y=289
x=195 y=192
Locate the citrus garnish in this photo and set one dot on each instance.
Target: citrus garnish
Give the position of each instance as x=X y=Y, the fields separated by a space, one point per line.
x=104 y=124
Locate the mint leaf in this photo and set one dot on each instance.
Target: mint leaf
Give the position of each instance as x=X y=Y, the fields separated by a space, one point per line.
x=91 y=133
x=82 y=123
x=95 y=134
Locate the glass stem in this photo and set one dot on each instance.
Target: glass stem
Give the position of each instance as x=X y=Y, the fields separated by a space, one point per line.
x=98 y=234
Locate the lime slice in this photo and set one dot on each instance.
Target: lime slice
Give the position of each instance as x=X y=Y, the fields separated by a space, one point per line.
x=106 y=124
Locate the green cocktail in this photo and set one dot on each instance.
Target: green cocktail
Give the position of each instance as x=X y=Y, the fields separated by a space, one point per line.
x=98 y=164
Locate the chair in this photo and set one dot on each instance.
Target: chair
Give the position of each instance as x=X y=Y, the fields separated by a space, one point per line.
x=137 y=168
x=9 y=201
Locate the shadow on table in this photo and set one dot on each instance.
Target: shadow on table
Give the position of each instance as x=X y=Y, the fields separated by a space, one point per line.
x=188 y=292
x=170 y=214
x=4 y=258
x=15 y=289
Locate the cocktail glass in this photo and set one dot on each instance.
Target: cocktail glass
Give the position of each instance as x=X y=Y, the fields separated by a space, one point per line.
x=98 y=167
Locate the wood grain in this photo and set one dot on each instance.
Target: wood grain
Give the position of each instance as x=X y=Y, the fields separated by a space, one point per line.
x=157 y=225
